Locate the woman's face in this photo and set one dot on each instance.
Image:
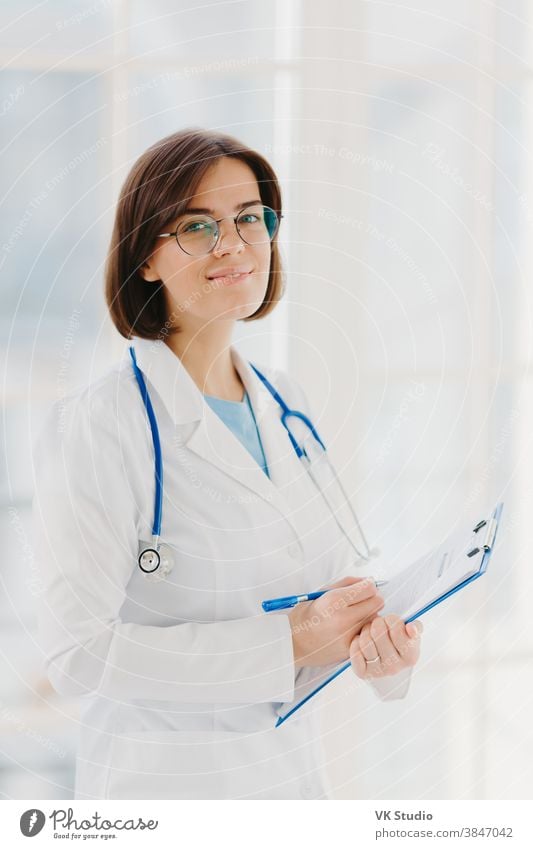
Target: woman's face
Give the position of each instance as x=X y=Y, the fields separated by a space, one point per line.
x=196 y=293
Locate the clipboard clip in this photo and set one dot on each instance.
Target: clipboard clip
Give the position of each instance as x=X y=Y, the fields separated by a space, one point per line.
x=489 y=536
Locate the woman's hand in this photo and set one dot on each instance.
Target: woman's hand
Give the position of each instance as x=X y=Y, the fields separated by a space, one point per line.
x=385 y=646
x=322 y=630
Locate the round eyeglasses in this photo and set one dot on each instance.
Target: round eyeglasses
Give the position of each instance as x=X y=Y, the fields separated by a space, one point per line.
x=198 y=234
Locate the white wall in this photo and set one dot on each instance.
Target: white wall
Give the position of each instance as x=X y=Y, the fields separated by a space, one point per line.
x=410 y=325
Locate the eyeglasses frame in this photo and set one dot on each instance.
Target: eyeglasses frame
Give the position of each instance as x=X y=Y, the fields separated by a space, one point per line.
x=218 y=220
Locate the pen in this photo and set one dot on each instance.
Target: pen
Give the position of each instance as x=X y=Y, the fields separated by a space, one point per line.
x=293 y=600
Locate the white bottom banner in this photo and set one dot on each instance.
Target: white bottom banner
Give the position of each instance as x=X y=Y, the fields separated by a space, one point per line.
x=264 y=823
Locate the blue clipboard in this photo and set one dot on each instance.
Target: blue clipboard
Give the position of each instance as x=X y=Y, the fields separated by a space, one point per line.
x=490 y=529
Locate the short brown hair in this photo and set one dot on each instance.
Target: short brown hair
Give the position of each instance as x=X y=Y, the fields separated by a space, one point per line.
x=156 y=190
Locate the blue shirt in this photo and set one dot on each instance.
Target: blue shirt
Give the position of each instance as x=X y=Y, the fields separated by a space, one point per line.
x=239 y=417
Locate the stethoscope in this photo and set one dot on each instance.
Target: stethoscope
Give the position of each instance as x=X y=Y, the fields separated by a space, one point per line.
x=156 y=560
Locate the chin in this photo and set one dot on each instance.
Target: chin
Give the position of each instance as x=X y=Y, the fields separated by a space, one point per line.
x=243 y=309
x=237 y=313
x=249 y=309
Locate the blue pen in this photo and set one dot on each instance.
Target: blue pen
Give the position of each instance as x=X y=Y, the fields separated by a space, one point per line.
x=293 y=600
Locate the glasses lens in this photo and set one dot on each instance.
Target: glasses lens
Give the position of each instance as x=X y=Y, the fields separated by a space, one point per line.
x=257 y=224
x=197 y=234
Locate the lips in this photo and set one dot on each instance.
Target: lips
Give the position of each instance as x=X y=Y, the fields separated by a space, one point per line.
x=230 y=276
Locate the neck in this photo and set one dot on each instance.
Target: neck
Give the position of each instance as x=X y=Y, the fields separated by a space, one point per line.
x=206 y=355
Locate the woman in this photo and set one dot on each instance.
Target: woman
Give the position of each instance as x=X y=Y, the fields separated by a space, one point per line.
x=181 y=675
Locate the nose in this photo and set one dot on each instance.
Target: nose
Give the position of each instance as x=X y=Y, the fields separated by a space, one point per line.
x=229 y=237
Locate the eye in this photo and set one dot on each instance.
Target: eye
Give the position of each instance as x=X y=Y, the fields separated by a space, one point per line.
x=195 y=227
x=249 y=218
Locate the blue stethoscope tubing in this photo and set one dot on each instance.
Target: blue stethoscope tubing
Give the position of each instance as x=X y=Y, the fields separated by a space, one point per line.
x=287 y=413
x=301 y=454
x=151 y=555
x=158 y=457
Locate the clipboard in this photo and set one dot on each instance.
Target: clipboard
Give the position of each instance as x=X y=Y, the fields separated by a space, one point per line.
x=478 y=548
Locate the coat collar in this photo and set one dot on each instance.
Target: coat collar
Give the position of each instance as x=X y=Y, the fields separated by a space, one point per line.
x=287 y=489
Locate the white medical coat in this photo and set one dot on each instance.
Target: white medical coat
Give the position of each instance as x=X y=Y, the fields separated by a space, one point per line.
x=181 y=680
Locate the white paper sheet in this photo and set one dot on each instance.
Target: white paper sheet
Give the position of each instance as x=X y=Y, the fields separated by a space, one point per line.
x=433 y=574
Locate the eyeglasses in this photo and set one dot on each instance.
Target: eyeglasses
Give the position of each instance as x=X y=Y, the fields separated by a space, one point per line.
x=198 y=235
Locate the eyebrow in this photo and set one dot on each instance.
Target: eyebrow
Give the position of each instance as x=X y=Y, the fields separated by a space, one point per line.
x=205 y=211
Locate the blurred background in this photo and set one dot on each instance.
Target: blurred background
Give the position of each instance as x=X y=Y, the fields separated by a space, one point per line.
x=402 y=136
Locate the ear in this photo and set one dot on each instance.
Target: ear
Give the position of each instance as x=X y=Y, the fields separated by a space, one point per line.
x=147 y=273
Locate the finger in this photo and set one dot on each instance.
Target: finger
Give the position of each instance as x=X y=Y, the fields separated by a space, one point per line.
x=374 y=612
x=367 y=645
x=405 y=638
x=368 y=648
x=399 y=635
x=390 y=658
x=361 y=614
x=414 y=629
x=362 y=590
x=356 y=658
x=349 y=595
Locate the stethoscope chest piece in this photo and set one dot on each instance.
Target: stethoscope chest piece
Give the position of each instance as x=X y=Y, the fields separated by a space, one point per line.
x=155 y=563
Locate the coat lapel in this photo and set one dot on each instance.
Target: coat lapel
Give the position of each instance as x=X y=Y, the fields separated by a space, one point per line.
x=287 y=489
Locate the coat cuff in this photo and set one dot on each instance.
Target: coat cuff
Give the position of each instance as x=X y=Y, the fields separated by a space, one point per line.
x=393 y=686
x=307 y=679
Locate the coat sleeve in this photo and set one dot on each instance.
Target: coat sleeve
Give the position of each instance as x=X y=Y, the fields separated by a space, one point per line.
x=85 y=536
x=308 y=678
